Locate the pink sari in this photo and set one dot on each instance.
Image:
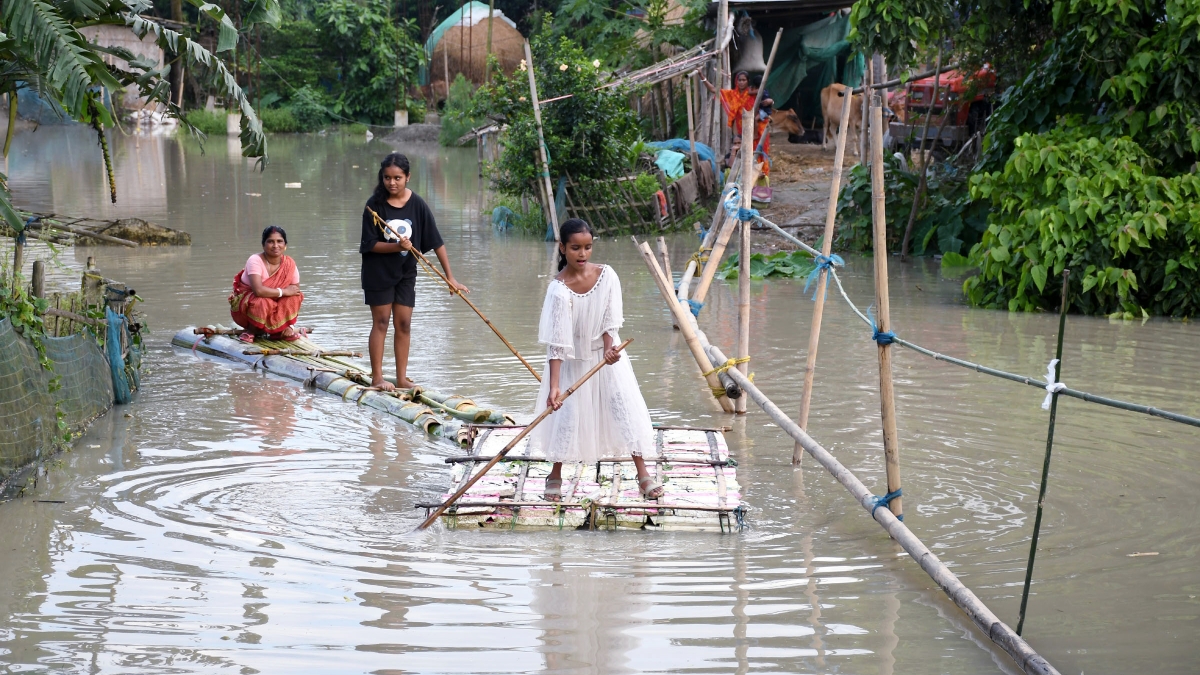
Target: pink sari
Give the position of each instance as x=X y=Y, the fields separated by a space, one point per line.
x=269 y=315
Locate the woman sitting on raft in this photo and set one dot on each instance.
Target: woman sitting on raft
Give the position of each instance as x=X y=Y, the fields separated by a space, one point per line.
x=266 y=293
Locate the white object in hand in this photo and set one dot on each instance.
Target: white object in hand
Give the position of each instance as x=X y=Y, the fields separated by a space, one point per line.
x=398 y=229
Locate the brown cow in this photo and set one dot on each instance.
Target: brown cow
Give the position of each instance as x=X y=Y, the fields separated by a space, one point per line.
x=831 y=108
x=787 y=120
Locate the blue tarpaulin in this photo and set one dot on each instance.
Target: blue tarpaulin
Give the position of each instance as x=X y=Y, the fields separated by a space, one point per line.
x=704 y=152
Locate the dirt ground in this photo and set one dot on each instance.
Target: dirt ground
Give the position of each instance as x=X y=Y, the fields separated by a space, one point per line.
x=800 y=177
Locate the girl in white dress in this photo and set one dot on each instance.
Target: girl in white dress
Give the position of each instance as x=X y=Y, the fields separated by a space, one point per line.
x=607 y=416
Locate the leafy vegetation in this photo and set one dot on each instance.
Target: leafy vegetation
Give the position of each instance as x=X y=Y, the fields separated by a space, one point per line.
x=590 y=135
x=458 y=117
x=785 y=264
x=1089 y=160
x=1066 y=199
x=633 y=35
x=947 y=220
x=42 y=49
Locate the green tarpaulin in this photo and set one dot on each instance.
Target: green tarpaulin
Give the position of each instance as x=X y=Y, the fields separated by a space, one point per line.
x=811 y=58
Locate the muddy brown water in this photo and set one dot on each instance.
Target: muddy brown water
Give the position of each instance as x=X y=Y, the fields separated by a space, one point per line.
x=230 y=522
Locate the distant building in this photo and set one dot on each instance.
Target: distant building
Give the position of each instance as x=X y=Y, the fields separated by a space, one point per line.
x=122 y=36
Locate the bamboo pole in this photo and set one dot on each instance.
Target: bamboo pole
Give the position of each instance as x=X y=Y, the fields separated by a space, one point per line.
x=542 y=151
x=743 y=336
x=513 y=443
x=38 y=284
x=912 y=214
x=1026 y=658
x=683 y=319
x=887 y=395
x=1037 y=521
x=666 y=260
x=862 y=133
x=691 y=127
x=381 y=224
x=718 y=249
x=18 y=258
x=79 y=231
x=814 y=335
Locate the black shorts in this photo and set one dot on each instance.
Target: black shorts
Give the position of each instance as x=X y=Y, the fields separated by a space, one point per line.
x=403 y=293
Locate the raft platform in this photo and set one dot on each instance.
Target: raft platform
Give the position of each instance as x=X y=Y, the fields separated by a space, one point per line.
x=442 y=415
x=701 y=491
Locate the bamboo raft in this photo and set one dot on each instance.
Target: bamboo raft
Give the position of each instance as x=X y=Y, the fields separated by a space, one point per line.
x=442 y=415
x=701 y=491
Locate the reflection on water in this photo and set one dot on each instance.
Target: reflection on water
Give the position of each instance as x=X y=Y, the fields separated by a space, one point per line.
x=237 y=523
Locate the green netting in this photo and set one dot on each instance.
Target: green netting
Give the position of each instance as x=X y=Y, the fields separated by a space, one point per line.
x=27 y=417
x=811 y=58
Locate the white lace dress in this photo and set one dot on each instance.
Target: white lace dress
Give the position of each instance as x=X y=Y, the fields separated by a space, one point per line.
x=607 y=416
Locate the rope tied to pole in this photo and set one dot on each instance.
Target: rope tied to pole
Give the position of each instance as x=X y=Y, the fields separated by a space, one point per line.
x=731 y=200
x=694 y=306
x=826 y=264
x=882 y=338
x=727 y=365
x=879 y=502
x=1053 y=386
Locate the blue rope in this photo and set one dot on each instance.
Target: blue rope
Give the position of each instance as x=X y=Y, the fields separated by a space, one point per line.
x=695 y=307
x=730 y=201
x=883 y=339
x=823 y=263
x=887 y=499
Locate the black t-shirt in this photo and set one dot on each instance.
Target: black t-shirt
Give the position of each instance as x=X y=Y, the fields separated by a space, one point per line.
x=381 y=271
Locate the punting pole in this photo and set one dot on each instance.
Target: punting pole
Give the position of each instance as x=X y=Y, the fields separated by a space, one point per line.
x=1027 y=659
x=537 y=118
x=513 y=443
x=1037 y=521
x=743 y=334
x=814 y=335
x=887 y=395
x=682 y=319
x=379 y=222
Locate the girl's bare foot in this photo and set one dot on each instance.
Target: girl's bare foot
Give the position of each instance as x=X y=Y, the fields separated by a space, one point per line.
x=382 y=384
x=407 y=383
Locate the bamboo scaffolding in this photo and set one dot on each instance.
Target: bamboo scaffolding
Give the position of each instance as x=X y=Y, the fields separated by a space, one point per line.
x=814 y=335
x=743 y=335
x=542 y=151
x=996 y=630
x=513 y=443
x=887 y=394
x=684 y=320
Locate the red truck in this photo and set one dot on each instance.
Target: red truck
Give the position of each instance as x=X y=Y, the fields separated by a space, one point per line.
x=967 y=99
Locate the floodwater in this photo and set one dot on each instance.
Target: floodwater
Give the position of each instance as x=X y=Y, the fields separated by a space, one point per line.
x=229 y=522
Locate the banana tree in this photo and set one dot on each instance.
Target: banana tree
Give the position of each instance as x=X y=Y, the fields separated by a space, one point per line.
x=42 y=49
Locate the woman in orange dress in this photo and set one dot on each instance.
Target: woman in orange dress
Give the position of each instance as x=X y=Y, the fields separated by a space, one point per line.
x=266 y=292
x=735 y=102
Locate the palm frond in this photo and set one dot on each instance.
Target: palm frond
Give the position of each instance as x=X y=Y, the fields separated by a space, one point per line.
x=57 y=49
x=254 y=141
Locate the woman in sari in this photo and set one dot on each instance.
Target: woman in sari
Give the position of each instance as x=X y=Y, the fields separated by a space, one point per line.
x=735 y=102
x=266 y=292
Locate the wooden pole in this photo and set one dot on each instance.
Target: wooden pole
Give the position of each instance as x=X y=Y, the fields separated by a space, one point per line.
x=513 y=443
x=887 y=396
x=379 y=222
x=666 y=260
x=743 y=336
x=1037 y=522
x=537 y=118
x=18 y=257
x=691 y=129
x=39 y=279
x=682 y=317
x=862 y=133
x=912 y=214
x=487 y=71
x=814 y=334
x=1026 y=658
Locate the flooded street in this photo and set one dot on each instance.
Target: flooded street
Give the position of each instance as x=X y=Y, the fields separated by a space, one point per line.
x=230 y=522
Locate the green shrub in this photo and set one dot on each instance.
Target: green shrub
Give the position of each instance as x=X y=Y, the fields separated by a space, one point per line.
x=1066 y=199
x=278 y=120
x=947 y=222
x=308 y=107
x=457 y=119
x=532 y=222
x=211 y=123
x=355 y=129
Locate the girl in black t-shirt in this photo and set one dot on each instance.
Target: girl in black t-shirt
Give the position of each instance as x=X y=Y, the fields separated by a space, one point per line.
x=389 y=270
